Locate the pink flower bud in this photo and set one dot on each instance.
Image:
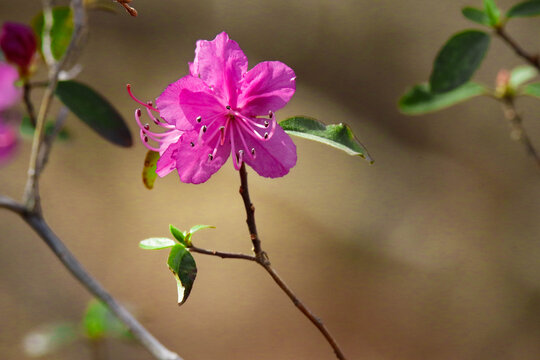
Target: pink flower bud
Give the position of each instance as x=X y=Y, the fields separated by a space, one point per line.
x=18 y=43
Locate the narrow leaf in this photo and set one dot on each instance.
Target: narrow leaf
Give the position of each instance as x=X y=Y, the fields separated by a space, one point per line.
x=458 y=60
x=532 y=90
x=419 y=100
x=476 y=15
x=156 y=243
x=339 y=136
x=183 y=266
x=525 y=9
x=521 y=75
x=61 y=30
x=194 y=229
x=493 y=12
x=178 y=235
x=95 y=111
x=149 y=170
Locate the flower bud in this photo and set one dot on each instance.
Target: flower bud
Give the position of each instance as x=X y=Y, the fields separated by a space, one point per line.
x=18 y=43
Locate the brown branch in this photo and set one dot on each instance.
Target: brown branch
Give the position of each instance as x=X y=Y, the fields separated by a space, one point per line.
x=534 y=60
x=131 y=10
x=517 y=132
x=27 y=89
x=263 y=260
x=222 y=255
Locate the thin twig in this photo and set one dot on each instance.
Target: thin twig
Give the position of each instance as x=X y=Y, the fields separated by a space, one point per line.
x=518 y=133
x=221 y=254
x=40 y=226
x=49 y=138
x=263 y=260
x=534 y=60
x=27 y=89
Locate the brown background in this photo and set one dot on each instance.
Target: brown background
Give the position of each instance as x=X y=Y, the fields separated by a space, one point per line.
x=431 y=253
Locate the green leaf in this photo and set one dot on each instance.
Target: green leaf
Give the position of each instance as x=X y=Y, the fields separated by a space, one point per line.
x=184 y=269
x=521 y=75
x=61 y=30
x=493 y=12
x=27 y=129
x=49 y=338
x=532 y=90
x=419 y=100
x=156 y=243
x=193 y=230
x=149 y=170
x=458 y=60
x=94 y=111
x=178 y=235
x=98 y=322
x=339 y=136
x=525 y=9
x=476 y=15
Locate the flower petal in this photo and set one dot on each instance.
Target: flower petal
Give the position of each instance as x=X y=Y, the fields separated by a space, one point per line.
x=193 y=163
x=203 y=104
x=220 y=63
x=9 y=93
x=274 y=157
x=168 y=103
x=267 y=87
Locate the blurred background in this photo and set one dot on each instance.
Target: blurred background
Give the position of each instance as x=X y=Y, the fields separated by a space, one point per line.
x=430 y=253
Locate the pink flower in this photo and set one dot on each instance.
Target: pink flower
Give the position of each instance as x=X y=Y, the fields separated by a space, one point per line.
x=18 y=43
x=219 y=109
x=9 y=96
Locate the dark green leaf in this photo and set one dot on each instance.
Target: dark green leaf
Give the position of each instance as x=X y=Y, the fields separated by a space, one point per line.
x=458 y=60
x=156 y=243
x=98 y=322
x=27 y=129
x=532 y=90
x=61 y=31
x=184 y=269
x=525 y=9
x=476 y=15
x=178 y=235
x=522 y=74
x=49 y=338
x=419 y=100
x=339 y=136
x=493 y=12
x=95 y=111
x=149 y=170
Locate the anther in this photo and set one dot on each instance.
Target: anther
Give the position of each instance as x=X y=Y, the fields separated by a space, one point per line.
x=253 y=151
x=211 y=157
x=228 y=107
x=270 y=114
x=192 y=144
x=139 y=112
x=199 y=118
x=266 y=123
x=146 y=126
x=266 y=135
x=145 y=138
x=204 y=128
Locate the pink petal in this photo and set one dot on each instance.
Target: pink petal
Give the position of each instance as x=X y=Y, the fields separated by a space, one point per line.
x=267 y=87
x=167 y=159
x=274 y=157
x=168 y=103
x=192 y=162
x=9 y=93
x=203 y=104
x=220 y=63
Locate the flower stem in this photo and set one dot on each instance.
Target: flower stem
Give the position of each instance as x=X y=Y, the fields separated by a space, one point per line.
x=534 y=60
x=27 y=88
x=263 y=260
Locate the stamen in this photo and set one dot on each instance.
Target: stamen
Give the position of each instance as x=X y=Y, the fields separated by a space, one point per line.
x=233 y=151
x=210 y=157
x=270 y=114
x=157 y=121
x=266 y=135
x=253 y=153
x=266 y=123
x=240 y=157
x=144 y=139
x=225 y=131
x=146 y=126
x=139 y=101
x=228 y=107
x=244 y=141
x=250 y=130
x=250 y=121
x=192 y=144
x=199 y=119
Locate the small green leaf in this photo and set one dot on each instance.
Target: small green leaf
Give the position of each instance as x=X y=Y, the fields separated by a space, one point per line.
x=532 y=90
x=26 y=129
x=98 y=322
x=419 y=100
x=156 y=243
x=95 y=111
x=193 y=230
x=521 y=75
x=339 y=136
x=49 y=338
x=178 y=235
x=149 y=170
x=525 y=9
x=184 y=269
x=61 y=30
x=458 y=60
x=493 y=12
x=476 y=15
